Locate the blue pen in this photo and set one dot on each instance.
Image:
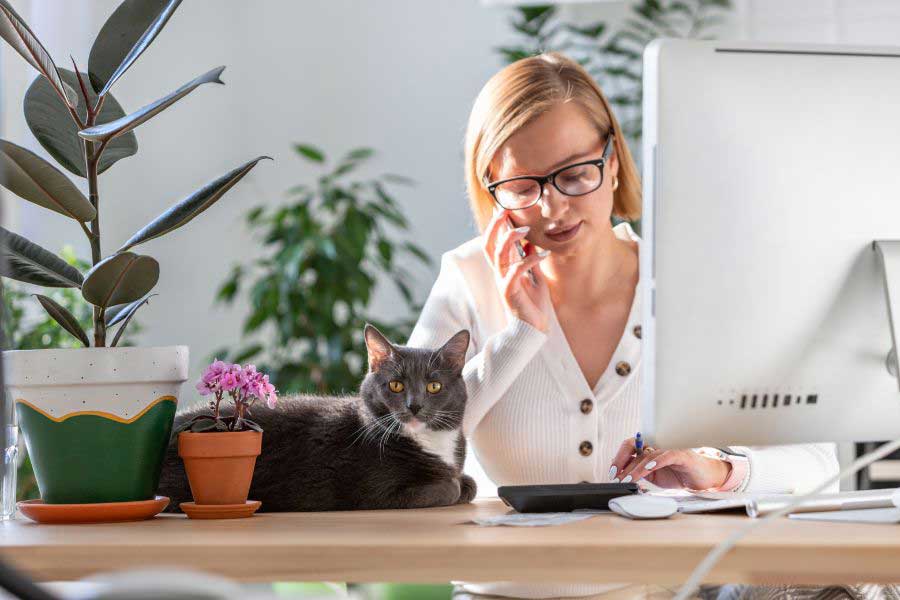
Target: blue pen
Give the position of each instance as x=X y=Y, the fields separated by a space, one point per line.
x=638 y=445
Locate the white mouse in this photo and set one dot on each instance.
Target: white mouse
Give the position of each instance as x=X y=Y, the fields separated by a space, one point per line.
x=639 y=506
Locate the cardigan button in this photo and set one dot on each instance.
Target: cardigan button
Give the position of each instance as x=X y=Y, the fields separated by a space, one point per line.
x=637 y=331
x=623 y=368
x=587 y=405
x=586 y=448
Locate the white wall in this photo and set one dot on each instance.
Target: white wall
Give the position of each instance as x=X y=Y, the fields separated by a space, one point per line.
x=398 y=75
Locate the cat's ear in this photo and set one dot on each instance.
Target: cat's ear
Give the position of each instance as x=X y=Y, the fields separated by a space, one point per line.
x=454 y=351
x=378 y=346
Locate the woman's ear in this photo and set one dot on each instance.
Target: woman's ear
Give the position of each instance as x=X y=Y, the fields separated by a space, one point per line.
x=454 y=351
x=378 y=346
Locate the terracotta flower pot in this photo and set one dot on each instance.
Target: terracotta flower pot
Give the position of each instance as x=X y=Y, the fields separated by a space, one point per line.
x=220 y=465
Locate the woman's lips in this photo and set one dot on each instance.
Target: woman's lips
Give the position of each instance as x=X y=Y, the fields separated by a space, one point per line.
x=564 y=235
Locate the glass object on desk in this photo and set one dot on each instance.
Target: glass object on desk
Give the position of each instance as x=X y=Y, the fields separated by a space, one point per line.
x=10 y=463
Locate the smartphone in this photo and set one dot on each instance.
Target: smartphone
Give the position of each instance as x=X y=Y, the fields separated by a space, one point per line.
x=521 y=250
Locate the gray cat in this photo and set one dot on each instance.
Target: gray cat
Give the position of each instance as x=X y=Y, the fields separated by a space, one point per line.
x=398 y=445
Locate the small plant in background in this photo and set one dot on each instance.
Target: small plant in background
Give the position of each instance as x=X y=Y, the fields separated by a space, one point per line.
x=614 y=58
x=244 y=385
x=328 y=248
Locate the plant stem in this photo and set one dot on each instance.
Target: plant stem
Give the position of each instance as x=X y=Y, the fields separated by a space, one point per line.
x=92 y=162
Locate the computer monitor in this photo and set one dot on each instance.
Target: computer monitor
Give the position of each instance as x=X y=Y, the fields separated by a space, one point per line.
x=769 y=171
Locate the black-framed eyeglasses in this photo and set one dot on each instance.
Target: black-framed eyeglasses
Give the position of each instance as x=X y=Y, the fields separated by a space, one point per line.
x=576 y=179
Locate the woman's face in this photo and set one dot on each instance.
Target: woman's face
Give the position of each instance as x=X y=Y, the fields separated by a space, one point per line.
x=559 y=137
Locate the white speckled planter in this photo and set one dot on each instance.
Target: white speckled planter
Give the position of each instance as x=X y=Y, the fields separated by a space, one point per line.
x=96 y=420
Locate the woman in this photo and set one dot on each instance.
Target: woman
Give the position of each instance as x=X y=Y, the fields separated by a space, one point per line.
x=553 y=369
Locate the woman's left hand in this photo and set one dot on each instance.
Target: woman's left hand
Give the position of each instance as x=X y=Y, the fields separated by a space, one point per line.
x=682 y=469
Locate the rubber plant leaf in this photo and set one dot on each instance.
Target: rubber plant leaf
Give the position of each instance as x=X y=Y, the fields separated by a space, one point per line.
x=119 y=279
x=123 y=38
x=117 y=313
x=62 y=316
x=25 y=261
x=18 y=35
x=52 y=125
x=185 y=210
x=32 y=178
x=123 y=125
x=128 y=314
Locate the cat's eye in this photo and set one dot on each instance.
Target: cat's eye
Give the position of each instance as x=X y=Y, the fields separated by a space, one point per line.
x=433 y=387
x=396 y=386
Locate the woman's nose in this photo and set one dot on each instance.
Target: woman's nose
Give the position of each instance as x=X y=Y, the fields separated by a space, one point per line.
x=553 y=202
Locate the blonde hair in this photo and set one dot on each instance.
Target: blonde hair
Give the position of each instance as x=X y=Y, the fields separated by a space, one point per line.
x=518 y=94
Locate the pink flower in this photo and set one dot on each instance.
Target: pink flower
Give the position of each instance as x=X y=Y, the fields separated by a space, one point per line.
x=229 y=381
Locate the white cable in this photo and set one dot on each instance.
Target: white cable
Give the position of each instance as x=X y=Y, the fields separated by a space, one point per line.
x=719 y=551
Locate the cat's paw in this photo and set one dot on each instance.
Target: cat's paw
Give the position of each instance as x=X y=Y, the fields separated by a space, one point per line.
x=467 y=489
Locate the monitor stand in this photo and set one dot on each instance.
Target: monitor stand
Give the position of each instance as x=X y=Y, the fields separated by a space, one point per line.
x=888 y=252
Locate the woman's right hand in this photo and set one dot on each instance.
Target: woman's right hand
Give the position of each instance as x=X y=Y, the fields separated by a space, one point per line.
x=527 y=301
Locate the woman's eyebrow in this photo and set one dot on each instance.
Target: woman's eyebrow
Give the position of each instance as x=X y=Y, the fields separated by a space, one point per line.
x=570 y=159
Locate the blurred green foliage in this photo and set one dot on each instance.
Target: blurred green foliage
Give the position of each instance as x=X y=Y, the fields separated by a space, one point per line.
x=325 y=252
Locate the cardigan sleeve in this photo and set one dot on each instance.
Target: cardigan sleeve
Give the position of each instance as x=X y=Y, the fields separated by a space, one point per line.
x=789 y=469
x=492 y=364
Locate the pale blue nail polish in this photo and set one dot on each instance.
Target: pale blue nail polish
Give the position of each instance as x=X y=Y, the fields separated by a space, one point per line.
x=616 y=480
x=612 y=471
x=627 y=479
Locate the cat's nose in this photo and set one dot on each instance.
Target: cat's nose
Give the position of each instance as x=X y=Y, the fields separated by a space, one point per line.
x=414 y=409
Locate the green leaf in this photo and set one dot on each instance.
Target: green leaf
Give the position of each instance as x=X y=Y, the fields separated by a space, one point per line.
x=128 y=314
x=182 y=212
x=310 y=152
x=26 y=261
x=123 y=38
x=359 y=154
x=252 y=425
x=18 y=35
x=52 y=125
x=29 y=176
x=401 y=179
x=594 y=31
x=417 y=252
x=254 y=214
x=62 y=316
x=248 y=353
x=118 y=312
x=204 y=425
x=119 y=279
x=113 y=129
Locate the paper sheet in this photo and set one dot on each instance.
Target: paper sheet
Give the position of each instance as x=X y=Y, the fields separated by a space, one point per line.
x=515 y=519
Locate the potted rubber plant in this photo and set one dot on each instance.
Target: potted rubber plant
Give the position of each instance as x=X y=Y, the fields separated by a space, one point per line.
x=96 y=419
x=219 y=450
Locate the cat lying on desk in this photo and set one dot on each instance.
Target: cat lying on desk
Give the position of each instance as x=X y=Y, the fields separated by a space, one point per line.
x=398 y=445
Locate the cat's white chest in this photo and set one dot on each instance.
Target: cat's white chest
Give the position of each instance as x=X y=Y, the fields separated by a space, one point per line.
x=441 y=443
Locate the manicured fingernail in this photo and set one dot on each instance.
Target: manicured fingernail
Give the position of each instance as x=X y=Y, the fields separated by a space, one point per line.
x=524 y=229
x=616 y=480
x=650 y=465
x=543 y=253
x=612 y=471
x=627 y=479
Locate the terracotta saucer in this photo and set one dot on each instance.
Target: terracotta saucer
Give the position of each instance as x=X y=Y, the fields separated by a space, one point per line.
x=220 y=511
x=101 y=512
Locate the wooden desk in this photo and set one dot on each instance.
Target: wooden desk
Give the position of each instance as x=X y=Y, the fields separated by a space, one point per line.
x=437 y=545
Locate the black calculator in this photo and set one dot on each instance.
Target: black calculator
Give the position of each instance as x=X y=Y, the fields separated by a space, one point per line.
x=564 y=497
